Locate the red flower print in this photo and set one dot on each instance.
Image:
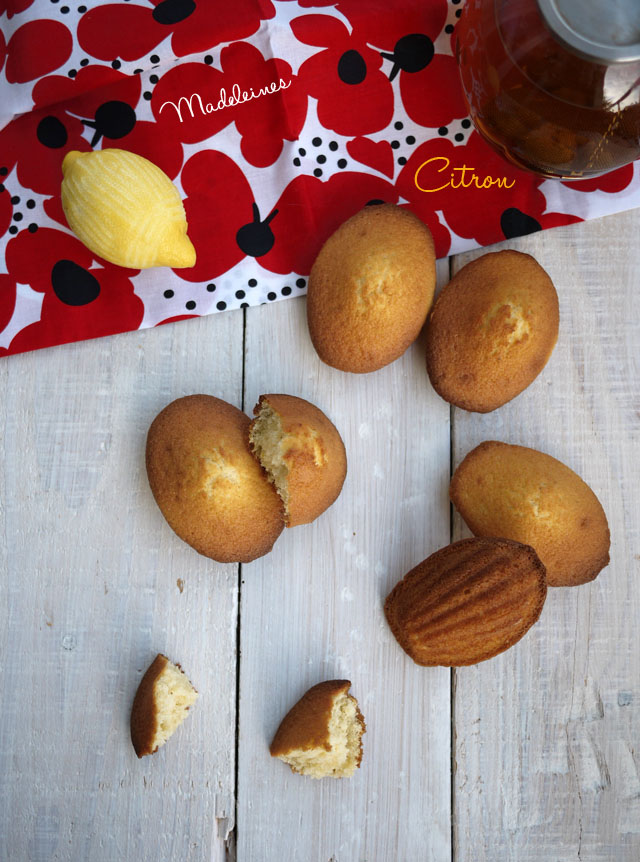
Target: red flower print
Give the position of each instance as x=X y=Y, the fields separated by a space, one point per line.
x=439 y=176
x=37 y=142
x=429 y=83
x=80 y=300
x=192 y=102
x=7 y=300
x=92 y=86
x=131 y=31
x=465 y=180
x=310 y=210
x=375 y=154
x=37 y=48
x=99 y=97
x=354 y=96
x=612 y=182
x=218 y=203
x=14 y=7
x=6 y=208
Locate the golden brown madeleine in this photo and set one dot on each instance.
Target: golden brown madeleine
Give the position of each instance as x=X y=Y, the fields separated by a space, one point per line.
x=208 y=485
x=522 y=494
x=161 y=704
x=302 y=453
x=491 y=331
x=370 y=288
x=321 y=735
x=467 y=602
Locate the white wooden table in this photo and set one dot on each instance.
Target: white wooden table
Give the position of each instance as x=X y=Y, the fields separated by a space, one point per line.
x=532 y=756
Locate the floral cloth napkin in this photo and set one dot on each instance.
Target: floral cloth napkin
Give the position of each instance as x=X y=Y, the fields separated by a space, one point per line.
x=276 y=119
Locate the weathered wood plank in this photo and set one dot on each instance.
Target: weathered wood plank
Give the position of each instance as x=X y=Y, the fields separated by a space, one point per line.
x=312 y=610
x=546 y=734
x=96 y=584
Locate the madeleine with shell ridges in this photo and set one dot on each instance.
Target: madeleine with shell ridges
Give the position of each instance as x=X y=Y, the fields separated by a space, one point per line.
x=370 y=288
x=302 y=453
x=529 y=496
x=467 y=602
x=321 y=735
x=209 y=487
x=161 y=704
x=491 y=331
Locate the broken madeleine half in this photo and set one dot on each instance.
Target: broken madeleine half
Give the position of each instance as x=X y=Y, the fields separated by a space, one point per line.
x=161 y=704
x=321 y=735
x=302 y=453
x=125 y=209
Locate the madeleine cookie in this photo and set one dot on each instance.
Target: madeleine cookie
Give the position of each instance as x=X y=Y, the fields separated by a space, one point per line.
x=161 y=704
x=302 y=453
x=125 y=209
x=321 y=736
x=467 y=602
x=208 y=485
x=491 y=331
x=370 y=288
x=525 y=495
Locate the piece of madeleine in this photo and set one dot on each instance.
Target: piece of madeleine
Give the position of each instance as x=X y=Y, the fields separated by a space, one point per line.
x=125 y=209
x=209 y=487
x=491 y=331
x=321 y=735
x=467 y=602
x=161 y=704
x=526 y=495
x=302 y=453
x=370 y=288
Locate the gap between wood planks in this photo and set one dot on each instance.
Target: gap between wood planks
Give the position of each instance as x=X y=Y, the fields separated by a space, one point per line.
x=230 y=844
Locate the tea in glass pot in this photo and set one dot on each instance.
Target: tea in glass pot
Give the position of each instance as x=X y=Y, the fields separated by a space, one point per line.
x=554 y=85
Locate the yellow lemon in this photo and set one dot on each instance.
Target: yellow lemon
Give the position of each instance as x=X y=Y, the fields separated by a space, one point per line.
x=125 y=209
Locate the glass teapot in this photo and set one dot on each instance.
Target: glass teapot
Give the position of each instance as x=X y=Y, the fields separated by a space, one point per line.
x=554 y=85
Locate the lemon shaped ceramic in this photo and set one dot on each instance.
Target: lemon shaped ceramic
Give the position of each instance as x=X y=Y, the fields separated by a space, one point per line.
x=125 y=209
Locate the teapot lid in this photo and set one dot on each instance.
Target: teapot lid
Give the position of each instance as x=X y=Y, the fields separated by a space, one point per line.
x=603 y=31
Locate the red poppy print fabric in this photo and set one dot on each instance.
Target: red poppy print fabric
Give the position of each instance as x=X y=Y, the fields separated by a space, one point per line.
x=276 y=120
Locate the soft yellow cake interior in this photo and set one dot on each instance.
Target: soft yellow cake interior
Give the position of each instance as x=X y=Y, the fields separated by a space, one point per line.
x=345 y=731
x=173 y=694
x=268 y=441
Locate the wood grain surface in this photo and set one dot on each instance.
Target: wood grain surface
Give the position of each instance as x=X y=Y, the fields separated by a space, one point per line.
x=530 y=756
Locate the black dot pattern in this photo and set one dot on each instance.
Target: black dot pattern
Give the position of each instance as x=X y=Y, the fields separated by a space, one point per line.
x=301 y=282
x=168 y=294
x=211 y=288
x=221 y=305
x=190 y=305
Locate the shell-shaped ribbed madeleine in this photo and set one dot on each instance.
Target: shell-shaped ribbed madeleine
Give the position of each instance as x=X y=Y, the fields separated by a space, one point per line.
x=125 y=209
x=467 y=602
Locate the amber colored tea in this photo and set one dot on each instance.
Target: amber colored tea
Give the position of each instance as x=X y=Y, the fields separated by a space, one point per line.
x=543 y=107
